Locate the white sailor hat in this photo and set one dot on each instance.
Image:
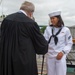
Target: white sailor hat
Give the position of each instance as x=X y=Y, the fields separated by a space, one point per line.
x=55 y=14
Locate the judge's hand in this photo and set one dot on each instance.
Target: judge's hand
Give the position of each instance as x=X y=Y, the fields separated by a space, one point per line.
x=59 y=56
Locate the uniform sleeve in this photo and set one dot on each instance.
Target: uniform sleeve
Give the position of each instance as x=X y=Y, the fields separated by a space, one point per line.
x=69 y=42
x=46 y=35
x=38 y=40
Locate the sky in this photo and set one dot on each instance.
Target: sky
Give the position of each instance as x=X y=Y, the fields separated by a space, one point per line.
x=42 y=9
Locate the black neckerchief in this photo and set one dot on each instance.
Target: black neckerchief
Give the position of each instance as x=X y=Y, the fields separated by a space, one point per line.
x=54 y=36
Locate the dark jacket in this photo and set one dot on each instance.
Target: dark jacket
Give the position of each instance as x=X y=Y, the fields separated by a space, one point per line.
x=20 y=41
x=0 y=38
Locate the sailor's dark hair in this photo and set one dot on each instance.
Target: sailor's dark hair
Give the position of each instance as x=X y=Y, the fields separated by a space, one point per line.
x=60 y=22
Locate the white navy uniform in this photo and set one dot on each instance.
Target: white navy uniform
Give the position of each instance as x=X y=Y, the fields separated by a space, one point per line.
x=58 y=67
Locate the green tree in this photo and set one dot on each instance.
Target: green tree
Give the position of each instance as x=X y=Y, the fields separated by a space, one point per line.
x=42 y=28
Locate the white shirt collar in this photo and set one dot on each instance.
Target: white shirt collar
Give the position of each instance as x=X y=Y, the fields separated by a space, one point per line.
x=23 y=12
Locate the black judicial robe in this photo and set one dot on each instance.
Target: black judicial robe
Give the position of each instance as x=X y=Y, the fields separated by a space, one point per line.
x=20 y=41
x=0 y=38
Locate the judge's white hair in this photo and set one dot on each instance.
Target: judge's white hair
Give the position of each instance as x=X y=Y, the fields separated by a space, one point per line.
x=27 y=6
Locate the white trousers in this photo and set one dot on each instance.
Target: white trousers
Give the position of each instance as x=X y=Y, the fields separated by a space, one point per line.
x=56 y=67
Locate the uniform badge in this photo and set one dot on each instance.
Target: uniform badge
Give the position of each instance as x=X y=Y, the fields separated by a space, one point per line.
x=69 y=37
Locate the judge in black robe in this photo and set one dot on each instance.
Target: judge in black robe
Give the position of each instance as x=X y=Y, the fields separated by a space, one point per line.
x=21 y=40
x=0 y=37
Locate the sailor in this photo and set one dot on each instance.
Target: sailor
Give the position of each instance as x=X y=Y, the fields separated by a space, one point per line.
x=60 y=42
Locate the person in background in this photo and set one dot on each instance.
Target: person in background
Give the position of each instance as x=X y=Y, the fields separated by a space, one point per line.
x=21 y=40
x=59 y=44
